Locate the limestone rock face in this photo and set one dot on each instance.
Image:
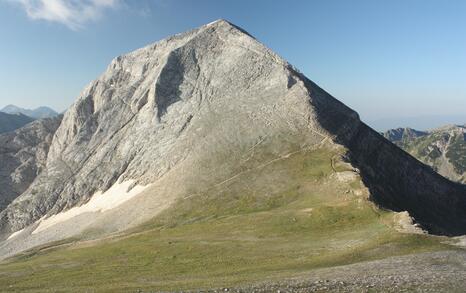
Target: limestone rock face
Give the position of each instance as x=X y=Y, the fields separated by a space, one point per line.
x=212 y=89
x=190 y=108
x=23 y=155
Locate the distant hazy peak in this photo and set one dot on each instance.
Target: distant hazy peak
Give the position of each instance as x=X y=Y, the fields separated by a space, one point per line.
x=449 y=127
x=38 y=113
x=403 y=133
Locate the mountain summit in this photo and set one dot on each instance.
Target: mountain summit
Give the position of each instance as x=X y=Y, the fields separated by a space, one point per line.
x=196 y=111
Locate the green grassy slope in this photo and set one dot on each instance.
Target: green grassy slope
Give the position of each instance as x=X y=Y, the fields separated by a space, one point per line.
x=289 y=216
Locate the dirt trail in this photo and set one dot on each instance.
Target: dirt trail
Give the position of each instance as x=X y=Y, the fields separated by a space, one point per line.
x=426 y=272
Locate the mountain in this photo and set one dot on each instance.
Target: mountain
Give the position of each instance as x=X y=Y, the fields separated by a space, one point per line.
x=416 y=122
x=401 y=135
x=444 y=148
x=23 y=154
x=38 y=113
x=10 y=122
x=206 y=160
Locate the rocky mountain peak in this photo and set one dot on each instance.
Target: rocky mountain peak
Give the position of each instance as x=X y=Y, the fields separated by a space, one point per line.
x=190 y=111
x=208 y=90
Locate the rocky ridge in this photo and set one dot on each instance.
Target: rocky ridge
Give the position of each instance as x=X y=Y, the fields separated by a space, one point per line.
x=400 y=135
x=11 y=122
x=23 y=154
x=444 y=149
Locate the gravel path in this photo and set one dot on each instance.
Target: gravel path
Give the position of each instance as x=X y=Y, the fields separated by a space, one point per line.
x=427 y=272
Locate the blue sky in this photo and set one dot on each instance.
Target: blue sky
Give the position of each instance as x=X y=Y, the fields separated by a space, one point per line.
x=385 y=59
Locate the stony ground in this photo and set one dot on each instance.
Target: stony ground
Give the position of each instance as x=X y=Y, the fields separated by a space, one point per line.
x=429 y=272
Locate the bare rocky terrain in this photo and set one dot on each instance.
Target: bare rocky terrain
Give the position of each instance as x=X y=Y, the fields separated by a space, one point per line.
x=432 y=272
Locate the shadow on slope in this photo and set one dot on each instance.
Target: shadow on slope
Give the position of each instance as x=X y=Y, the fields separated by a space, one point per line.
x=401 y=183
x=397 y=181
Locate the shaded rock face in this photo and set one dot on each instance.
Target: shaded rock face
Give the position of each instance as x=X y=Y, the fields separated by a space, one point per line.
x=199 y=99
x=23 y=155
x=400 y=182
x=11 y=122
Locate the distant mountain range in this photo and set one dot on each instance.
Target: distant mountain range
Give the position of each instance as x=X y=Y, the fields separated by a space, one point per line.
x=424 y=122
x=13 y=117
x=444 y=148
x=10 y=122
x=38 y=113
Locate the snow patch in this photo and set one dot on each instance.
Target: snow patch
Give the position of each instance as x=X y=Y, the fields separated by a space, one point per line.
x=99 y=202
x=14 y=234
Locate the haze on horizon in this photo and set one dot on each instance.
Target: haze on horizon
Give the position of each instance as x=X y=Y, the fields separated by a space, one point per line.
x=387 y=60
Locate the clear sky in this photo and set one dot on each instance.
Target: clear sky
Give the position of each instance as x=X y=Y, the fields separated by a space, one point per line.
x=385 y=59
